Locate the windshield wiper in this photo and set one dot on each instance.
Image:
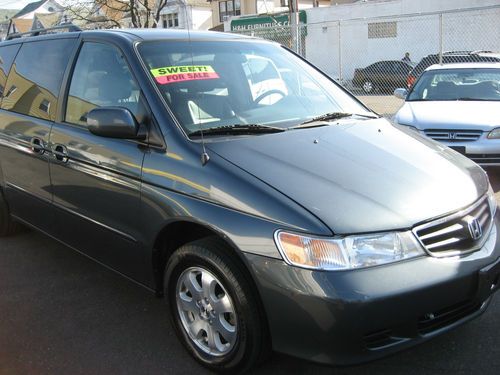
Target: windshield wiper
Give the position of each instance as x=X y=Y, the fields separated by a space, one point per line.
x=238 y=129
x=328 y=117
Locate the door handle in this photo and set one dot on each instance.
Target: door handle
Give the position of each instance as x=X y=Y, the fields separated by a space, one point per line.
x=37 y=146
x=61 y=153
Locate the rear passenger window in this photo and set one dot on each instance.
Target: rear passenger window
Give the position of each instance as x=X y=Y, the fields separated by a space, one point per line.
x=35 y=78
x=7 y=55
x=101 y=78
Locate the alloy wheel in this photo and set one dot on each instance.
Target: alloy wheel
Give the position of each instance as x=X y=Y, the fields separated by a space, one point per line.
x=207 y=311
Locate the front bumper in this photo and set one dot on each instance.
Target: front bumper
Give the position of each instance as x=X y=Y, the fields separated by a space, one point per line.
x=349 y=317
x=483 y=151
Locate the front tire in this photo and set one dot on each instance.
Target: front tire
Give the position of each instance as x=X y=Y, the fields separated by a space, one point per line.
x=213 y=307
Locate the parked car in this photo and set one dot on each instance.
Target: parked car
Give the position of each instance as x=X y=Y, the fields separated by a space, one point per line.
x=308 y=225
x=459 y=106
x=384 y=76
x=450 y=57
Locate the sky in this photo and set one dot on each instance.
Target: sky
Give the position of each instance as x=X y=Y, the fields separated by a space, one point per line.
x=20 y=4
x=14 y=4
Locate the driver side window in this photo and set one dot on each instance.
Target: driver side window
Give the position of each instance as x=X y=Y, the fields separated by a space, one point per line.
x=101 y=78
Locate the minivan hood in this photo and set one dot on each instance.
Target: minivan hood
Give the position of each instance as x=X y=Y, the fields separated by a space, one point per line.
x=450 y=115
x=360 y=176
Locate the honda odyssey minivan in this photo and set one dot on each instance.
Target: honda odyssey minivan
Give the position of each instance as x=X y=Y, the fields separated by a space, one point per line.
x=284 y=217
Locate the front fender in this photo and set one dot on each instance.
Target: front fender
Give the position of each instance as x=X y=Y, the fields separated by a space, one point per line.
x=247 y=233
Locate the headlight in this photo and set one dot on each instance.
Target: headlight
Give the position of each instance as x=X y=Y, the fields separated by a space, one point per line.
x=494 y=134
x=348 y=252
x=492 y=200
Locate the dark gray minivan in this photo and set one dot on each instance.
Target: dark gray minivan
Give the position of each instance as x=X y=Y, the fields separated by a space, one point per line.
x=270 y=207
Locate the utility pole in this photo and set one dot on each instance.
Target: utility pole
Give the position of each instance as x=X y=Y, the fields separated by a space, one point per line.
x=293 y=6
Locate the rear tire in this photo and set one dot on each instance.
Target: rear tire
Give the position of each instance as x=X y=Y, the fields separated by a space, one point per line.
x=7 y=225
x=213 y=307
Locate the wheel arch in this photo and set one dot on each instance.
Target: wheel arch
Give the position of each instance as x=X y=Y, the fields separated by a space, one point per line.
x=177 y=233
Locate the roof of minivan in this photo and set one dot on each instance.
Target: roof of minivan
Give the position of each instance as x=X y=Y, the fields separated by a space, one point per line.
x=137 y=35
x=470 y=65
x=158 y=34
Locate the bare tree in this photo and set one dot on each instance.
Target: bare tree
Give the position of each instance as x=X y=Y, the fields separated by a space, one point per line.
x=110 y=13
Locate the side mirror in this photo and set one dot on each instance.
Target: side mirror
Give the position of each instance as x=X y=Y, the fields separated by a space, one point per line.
x=400 y=93
x=114 y=122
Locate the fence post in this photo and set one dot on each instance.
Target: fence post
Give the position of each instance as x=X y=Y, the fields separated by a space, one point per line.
x=440 y=38
x=299 y=40
x=340 y=55
x=294 y=24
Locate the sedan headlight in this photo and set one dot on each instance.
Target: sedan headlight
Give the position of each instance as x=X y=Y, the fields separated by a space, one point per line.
x=494 y=134
x=348 y=252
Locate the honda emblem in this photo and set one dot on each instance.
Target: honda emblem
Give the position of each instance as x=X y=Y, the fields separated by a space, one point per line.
x=474 y=226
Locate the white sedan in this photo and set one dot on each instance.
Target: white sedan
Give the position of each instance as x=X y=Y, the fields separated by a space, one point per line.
x=458 y=105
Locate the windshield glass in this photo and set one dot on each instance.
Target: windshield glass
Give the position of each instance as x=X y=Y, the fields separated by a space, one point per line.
x=457 y=84
x=212 y=84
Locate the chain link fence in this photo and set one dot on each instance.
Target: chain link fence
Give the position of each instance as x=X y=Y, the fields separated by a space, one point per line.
x=294 y=38
x=373 y=56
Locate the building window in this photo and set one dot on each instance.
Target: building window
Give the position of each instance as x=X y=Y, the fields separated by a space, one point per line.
x=170 y=20
x=284 y=3
x=229 y=8
x=44 y=106
x=382 y=30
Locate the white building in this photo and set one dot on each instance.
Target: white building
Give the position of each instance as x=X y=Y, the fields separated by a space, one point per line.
x=186 y=14
x=223 y=11
x=343 y=37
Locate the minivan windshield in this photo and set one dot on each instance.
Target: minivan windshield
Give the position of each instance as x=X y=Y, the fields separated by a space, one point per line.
x=471 y=84
x=215 y=84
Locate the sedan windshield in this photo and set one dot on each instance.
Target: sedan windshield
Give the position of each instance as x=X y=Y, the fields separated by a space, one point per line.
x=215 y=84
x=457 y=84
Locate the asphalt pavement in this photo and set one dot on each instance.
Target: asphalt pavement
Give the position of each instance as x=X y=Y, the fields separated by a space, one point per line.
x=61 y=313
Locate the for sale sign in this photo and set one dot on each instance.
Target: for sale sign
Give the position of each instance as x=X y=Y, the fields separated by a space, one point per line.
x=172 y=74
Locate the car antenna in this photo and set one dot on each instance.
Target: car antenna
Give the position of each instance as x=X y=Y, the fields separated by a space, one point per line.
x=204 y=155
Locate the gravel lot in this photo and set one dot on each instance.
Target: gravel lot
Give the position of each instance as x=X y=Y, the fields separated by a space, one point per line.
x=61 y=313
x=386 y=105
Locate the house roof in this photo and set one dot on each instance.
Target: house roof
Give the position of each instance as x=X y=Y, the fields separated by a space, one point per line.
x=29 y=8
x=22 y=25
x=47 y=19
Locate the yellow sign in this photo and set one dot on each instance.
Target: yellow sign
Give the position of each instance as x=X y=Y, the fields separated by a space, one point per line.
x=172 y=74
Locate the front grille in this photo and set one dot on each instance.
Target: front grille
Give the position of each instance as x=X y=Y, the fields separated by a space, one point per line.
x=451 y=135
x=381 y=339
x=443 y=318
x=457 y=234
x=425 y=324
x=485 y=158
x=378 y=339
